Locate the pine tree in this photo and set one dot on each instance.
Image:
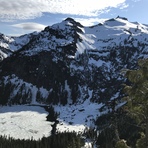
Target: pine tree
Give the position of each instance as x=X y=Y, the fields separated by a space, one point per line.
x=137 y=95
x=121 y=144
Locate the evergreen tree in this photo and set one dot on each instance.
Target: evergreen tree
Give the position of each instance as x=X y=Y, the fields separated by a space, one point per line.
x=121 y=144
x=137 y=96
x=60 y=140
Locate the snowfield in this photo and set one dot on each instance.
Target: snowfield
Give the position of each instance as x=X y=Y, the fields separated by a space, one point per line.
x=24 y=122
x=77 y=117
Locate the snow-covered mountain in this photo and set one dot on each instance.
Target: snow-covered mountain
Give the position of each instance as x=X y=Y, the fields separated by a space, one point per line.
x=9 y=44
x=68 y=63
x=73 y=67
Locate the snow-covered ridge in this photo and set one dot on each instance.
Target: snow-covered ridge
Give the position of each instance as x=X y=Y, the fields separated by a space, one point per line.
x=110 y=33
x=10 y=44
x=15 y=43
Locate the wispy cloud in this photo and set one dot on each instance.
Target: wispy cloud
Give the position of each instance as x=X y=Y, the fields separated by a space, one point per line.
x=29 y=9
x=123 y=6
x=89 y=21
x=30 y=26
x=136 y=0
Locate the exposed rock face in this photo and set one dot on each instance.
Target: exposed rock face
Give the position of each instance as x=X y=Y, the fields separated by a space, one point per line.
x=68 y=62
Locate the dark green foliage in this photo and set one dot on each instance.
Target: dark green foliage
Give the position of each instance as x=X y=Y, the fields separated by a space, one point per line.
x=121 y=144
x=63 y=97
x=141 y=143
x=60 y=140
x=91 y=134
x=4 y=93
x=14 y=93
x=52 y=116
x=117 y=123
x=137 y=96
x=129 y=123
x=39 y=97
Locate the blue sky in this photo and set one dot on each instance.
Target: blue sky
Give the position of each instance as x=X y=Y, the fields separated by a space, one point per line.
x=19 y=17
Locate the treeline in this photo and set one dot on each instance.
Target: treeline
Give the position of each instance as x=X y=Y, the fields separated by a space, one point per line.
x=60 y=140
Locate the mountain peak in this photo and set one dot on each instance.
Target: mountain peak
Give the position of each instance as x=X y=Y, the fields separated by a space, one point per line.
x=116 y=19
x=123 y=18
x=72 y=21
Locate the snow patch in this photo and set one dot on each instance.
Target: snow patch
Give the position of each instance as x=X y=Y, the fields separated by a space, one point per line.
x=77 y=117
x=24 y=122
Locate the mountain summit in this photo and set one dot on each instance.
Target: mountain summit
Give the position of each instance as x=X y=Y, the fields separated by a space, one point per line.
x=68 y=62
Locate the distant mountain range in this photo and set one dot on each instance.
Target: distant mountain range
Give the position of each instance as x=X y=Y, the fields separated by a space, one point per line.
x=68 y=62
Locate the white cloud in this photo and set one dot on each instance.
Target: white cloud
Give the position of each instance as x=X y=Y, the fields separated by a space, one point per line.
x=136 y=0
x=30 y=26
x=124 y=5
x=26 y=9
x=90 y=21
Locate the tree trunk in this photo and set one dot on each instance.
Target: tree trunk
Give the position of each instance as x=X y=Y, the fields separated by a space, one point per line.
x=116 y=130
x=146 y=132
